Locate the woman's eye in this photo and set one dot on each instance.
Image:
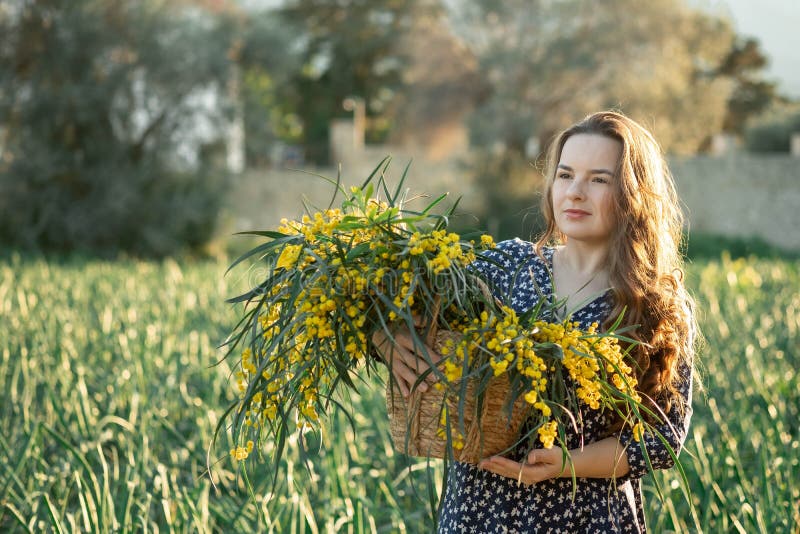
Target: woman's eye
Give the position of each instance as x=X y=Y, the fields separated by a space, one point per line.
x=564 y=176
x=600 y=180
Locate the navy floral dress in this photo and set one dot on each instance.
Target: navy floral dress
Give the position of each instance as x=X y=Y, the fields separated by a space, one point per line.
x=482 y=501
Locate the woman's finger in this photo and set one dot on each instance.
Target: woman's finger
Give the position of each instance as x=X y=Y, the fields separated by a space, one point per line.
x=435 y=357
x=408 y=377
x=382 y=342
x=413 y=368
x=405 y=366
x=502 y=466
x=523 y=473
x=392 y=347
x=402 y=349
x=404 y=339
x=397 y=372
x=419 y=362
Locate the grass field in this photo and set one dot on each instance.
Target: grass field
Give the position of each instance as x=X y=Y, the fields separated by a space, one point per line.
x=109 y=400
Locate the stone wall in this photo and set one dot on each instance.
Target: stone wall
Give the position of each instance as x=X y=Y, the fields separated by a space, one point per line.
x=260 y=198
x=742 y=195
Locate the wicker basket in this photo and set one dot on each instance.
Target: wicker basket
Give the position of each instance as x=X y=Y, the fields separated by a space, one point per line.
x=414 y=421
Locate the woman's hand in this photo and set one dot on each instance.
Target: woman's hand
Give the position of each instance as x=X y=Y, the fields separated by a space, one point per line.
x=540 y=464
x=601 y=459
x=404 y=360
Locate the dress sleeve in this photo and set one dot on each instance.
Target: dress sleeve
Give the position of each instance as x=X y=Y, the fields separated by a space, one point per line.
x=496 y=266
x=673 y=430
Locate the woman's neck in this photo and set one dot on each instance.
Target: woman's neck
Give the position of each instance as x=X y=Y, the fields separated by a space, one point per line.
x=582 y=259
x=579 y=276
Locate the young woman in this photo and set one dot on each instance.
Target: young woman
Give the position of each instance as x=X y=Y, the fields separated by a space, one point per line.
x=613 y=218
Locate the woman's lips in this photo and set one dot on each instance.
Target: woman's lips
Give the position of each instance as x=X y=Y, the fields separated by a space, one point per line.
x=576 y=214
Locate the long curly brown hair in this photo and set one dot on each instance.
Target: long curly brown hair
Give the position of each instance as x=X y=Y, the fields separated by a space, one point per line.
x=644 y=262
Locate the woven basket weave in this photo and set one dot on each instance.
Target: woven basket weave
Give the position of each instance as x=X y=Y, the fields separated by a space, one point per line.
x=414 y=421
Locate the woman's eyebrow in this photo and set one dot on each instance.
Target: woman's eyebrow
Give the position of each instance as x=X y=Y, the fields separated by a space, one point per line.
x=593 y=171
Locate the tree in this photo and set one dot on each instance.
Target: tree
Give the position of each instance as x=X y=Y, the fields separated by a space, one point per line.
x=751 y=95
x=551 y=63
x=773 y=130
x=442 y=85
x=266 y=63
x=348 y=48
x=97 y=100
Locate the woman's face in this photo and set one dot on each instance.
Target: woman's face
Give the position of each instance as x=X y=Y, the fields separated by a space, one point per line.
x=583 y=187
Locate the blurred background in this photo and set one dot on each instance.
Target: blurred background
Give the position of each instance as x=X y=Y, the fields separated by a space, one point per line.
x=136 y=136
x=154 y=128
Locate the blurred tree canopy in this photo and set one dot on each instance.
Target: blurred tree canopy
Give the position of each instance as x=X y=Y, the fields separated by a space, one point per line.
x=773 y=131
x=551 y=63
x=267 y=62
x=348 y=48
x=751 y=95
x=93 y=99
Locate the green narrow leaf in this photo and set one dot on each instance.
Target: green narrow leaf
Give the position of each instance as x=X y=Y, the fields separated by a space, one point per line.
x=264 y=233
x=384 y=163
x=264 y=247
x=94 y=490
x=55 y=523
x=400 y=183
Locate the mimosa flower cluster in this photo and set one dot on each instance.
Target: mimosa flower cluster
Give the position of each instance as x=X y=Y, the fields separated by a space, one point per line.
x=533 y=354
x=335 y=277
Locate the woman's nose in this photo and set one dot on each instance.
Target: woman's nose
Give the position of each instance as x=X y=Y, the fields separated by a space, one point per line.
x=575 y=188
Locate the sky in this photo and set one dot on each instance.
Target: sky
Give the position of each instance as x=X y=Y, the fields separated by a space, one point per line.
x=776 y=24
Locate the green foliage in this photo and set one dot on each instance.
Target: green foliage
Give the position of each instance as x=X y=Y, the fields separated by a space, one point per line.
x=751 y=95
x=551 y=63
x=96 y=100
x=711 y=247
x=774 y=133
x=267 y=62
x=267 y=120
x=109 y=399
x=508 y=184
x=349 y=49
x=330 y=281
x=742 y=450
x=108 y=402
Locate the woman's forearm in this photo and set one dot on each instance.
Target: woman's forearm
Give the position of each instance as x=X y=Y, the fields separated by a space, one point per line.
x=602 y=459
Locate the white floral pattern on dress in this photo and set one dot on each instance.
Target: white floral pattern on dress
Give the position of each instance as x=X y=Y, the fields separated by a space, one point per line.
x=481 y=501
